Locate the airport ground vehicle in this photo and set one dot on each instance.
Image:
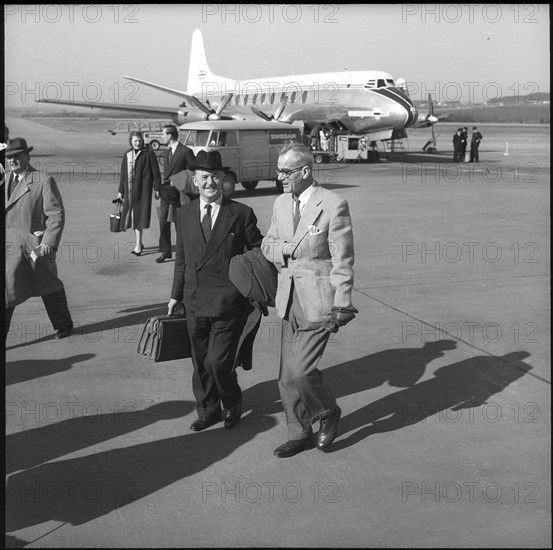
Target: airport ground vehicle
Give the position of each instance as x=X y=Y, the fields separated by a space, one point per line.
x=249 y=148
x=153 y=139
x=347 y=147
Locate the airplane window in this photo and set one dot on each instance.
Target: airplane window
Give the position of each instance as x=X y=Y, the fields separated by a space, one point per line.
x=293 y=98
x=381 y=83
x=246 y=99
x=237 y=99
x=197 y=138
x=272 y=98
x=304 y=97
x=370 y=84
x=390 y=82
x=282 y=96
x=254 y=99
x=262 y=100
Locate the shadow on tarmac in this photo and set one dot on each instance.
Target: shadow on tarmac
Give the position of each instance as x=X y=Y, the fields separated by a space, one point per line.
x=86 y=426
x=29 y=369
x=464 y=385
x=137 y=316
x=79 y=490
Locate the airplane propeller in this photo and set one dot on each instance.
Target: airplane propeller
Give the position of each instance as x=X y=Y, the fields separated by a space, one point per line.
x=277 y=114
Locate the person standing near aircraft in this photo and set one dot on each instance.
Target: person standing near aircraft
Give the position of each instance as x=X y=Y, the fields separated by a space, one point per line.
x=474 y=144
x=210 y=231
x=310 y=241
x=35 y=218
x=139 y=175
x=458 y=146
x=465 y=137
x=176 y=158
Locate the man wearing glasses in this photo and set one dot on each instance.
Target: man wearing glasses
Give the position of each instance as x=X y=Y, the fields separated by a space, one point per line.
x=210 y=231
x=310 y=241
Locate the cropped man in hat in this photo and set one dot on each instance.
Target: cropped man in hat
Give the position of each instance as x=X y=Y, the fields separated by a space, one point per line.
x=210 y=231
x=35 y=219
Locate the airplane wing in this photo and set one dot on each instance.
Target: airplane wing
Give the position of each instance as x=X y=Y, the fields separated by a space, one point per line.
x=190 y=98
x=142 y=109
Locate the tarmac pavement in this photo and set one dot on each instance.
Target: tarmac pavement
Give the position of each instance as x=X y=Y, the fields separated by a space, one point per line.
x=443 y=378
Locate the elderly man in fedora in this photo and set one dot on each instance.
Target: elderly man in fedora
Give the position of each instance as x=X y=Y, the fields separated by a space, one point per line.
x=34 y=224
x=210 y=231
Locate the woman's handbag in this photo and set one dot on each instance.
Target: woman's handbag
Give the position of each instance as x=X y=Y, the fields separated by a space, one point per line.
x=165 y=338
x=115 y=219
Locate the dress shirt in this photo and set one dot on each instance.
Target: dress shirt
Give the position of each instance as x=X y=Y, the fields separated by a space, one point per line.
x=215 y=207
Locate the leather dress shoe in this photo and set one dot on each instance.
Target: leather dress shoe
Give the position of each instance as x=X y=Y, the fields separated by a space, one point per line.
x=232 y=415
x=138 y=253
x=329 y=429
x=164 y=256
x=63 y=333
x=204 y=422
x=291 y=448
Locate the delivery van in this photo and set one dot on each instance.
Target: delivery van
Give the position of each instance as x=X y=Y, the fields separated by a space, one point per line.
x=249 y=148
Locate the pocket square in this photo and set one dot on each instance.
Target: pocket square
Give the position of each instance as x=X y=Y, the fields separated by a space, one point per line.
x=313 y=230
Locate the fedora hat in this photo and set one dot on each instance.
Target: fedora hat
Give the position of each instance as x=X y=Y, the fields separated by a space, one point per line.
x=209 y=161
x=17 y=145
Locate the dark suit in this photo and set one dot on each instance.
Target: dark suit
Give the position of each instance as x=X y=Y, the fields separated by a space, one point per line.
x=213 y=304
x=180 y=160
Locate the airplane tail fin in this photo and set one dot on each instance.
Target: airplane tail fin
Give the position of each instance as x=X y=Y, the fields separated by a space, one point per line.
x=200 y=77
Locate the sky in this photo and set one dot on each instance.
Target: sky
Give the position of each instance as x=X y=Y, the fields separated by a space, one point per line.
x=467 y=52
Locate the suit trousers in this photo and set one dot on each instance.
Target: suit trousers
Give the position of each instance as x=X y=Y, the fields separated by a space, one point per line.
x=56 y=308
x=305 y=397
x=164 y=227
x=214 y=341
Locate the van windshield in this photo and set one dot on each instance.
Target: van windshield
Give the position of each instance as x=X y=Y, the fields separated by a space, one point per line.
x=197 y=138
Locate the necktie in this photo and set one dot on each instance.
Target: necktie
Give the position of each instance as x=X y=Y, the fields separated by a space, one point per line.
x=206 y=223
x=296 y=212
x=170 y=155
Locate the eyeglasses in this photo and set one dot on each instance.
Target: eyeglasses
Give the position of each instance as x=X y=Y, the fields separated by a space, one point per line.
x=287 y=173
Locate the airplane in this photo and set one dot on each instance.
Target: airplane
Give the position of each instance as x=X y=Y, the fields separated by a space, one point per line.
x=369 y=103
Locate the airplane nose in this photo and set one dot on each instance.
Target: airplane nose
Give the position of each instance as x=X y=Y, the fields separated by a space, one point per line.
x=402 y=107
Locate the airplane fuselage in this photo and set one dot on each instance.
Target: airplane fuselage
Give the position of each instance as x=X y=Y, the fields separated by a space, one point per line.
x=363 y=102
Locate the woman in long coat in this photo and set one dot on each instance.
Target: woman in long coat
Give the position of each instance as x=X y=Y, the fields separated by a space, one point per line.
x=139 y=175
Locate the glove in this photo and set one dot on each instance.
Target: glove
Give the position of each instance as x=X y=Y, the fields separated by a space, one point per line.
x=340 y=316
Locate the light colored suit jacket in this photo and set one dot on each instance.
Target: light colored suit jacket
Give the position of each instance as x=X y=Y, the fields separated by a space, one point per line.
x=318 y=257
x=34 y=206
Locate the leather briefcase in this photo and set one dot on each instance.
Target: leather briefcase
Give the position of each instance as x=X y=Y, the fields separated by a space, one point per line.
x=165 y=338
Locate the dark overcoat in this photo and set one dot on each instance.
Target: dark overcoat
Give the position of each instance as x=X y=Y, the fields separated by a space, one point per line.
x=137 y=193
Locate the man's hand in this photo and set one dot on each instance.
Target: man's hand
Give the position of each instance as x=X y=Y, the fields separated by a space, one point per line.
x=156 y=195
x=47 y=251
x=172 y=303
x=340 y=316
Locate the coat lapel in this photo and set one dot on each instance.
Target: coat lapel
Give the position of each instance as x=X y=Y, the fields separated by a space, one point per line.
x=223 y=223
x=21 y=188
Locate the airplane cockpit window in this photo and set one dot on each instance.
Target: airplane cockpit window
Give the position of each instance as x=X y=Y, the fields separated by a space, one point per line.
x=390 y=82
x=197 y=138
x=370 y=84
x=381 y=83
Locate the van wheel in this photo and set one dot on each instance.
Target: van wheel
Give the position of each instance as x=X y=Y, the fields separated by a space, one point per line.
x=279 y=185
x=249 y=185
x=154 y=145
x=229 y=183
